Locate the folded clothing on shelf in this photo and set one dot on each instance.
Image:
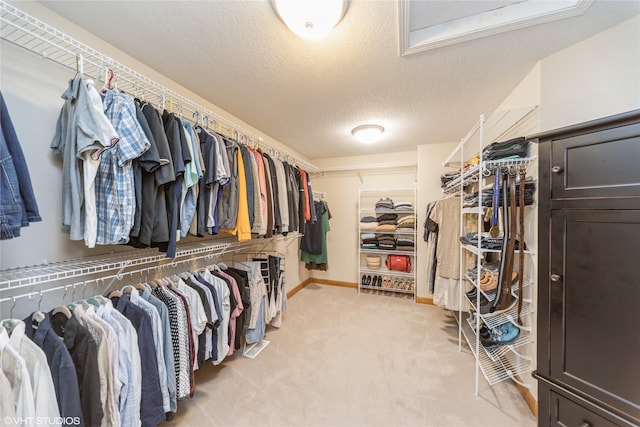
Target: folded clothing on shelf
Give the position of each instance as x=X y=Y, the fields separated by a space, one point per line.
x=387 y=217
x=386 y=227
x=511 y=149
x=408 y=221
x=366 y=236
x=370 y=242
x=401 y=241
x=402 y=207
x=445 y=178
x=486 y=241
x=385 y=203
x=368 y=226
x=368 y=219
x=369 y=246
x=471 y=200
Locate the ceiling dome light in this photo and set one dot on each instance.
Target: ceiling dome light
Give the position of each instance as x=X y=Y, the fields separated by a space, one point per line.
x=367 y=134
x=310 y=19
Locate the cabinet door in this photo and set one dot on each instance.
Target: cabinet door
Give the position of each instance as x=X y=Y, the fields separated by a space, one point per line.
x=595 y=305
x=597 y=165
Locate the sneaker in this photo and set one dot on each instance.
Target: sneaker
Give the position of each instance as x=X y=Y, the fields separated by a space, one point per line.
x=500 y=335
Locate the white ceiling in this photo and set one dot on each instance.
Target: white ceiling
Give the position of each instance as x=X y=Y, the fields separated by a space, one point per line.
x=309 y=95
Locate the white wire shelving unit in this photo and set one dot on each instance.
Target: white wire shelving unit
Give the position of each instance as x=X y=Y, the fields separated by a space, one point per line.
x=506 y=361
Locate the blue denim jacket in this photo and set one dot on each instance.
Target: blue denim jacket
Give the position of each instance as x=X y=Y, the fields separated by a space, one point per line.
x=18 y=205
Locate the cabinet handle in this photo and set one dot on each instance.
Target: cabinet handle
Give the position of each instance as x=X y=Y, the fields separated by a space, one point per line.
x=556 y=277
x=585 y=424
x=556 y=169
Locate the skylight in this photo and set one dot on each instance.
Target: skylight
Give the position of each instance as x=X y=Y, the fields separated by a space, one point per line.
x=457 y=27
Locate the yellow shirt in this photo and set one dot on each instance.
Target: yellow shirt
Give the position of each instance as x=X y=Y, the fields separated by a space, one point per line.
x=243 y=226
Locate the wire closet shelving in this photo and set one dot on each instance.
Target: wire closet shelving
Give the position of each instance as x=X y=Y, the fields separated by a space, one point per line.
x=28 y=32
x=23 y=30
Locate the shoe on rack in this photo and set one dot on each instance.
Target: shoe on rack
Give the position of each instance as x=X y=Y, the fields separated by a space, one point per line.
x=378 y=283
x=500 y=335
x=363 y=281
x=486 y=305
x=368 y=280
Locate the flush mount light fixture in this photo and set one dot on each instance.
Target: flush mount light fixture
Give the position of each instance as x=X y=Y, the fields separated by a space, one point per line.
x=310 y=19
x=367 y=134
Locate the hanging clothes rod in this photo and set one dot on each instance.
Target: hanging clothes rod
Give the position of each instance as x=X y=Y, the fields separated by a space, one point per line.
x=28 y=32
x=20 y=282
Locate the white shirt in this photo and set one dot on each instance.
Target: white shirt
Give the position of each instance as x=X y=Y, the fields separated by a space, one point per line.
x=129 y=365
x=106 y=135
x=15 y=369
x=7 y=408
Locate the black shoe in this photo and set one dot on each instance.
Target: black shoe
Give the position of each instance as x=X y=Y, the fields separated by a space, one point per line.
x=363 y=281
x=485 y=307
x=368 y=280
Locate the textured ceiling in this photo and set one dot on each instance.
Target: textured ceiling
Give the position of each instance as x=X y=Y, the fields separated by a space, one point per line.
x=309 y=95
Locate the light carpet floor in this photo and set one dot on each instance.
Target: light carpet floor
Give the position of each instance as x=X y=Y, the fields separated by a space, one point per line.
x=343 y=359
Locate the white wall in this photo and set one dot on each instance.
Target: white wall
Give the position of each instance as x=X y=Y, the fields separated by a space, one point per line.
x=597 y=77
x=32 y=87
x=341 y=192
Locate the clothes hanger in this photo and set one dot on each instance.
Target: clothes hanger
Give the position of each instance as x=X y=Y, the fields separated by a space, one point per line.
x=62 y=309
x=115 y=294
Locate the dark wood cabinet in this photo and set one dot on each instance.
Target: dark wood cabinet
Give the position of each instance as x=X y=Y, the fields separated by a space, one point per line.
x=588 y=358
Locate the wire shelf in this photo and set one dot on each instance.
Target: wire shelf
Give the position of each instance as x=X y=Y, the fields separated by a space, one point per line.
x=472 y=174
x=506 y=363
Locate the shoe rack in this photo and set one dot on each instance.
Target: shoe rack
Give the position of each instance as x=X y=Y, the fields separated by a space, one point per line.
x=480 y=328
x=374 y=277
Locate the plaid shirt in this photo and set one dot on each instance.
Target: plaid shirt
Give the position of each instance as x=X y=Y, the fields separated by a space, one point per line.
x=115 y=191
